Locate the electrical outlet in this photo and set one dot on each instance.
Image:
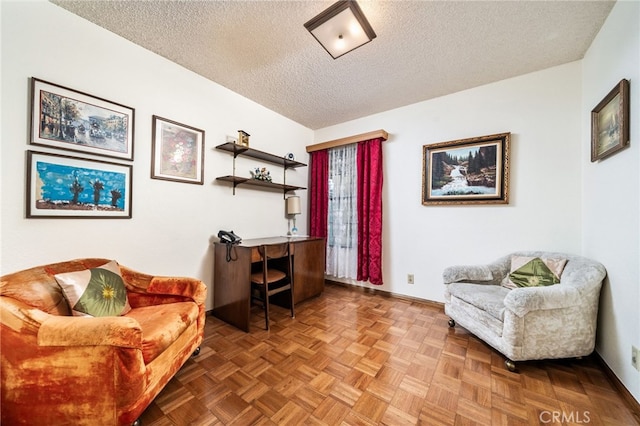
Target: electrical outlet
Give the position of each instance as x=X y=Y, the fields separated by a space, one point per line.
x=410 y=278
x=634 y=357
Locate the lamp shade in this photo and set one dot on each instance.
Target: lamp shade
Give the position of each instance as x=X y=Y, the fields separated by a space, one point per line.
x=293 y=205
x=341 y=28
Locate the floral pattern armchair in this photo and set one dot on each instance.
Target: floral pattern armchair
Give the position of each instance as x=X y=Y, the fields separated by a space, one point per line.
x=527 y=323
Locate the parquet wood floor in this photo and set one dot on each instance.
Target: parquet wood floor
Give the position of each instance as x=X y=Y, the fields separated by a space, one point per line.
x=351 y=357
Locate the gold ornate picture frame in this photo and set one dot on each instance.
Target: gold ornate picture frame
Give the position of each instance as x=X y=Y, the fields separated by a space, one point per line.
x=467 y=171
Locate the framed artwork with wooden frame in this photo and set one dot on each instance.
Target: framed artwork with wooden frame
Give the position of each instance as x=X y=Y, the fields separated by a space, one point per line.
x=467 y=171
x=68 y=119
x=61 y=186
x=610 y=123
x=177 y=152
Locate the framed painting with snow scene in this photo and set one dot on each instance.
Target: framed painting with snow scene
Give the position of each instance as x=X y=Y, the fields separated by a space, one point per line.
x=61 y=186
x=467 y=171
x=610 y=123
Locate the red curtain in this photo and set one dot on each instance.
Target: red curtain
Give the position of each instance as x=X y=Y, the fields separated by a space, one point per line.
x=369 y=165
x=319 y=193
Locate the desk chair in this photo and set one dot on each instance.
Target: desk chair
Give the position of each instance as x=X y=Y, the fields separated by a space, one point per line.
x=271 y=279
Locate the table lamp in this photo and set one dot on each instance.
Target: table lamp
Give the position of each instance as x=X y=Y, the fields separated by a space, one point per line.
x=293 y=208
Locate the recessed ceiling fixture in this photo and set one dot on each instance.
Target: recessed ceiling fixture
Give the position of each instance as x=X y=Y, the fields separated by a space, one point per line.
x=341 y=28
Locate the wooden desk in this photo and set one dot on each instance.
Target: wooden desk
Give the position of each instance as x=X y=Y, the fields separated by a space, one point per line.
x=232 y=282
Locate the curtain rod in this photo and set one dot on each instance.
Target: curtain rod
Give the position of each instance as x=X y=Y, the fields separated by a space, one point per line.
x=350 y=139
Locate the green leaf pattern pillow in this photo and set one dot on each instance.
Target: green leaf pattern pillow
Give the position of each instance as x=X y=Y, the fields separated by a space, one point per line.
x=96 y=292
x=534 y=272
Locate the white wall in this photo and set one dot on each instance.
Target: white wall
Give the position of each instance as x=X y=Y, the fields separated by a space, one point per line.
x=611 y=192
x=172 y=223
x=542 y=112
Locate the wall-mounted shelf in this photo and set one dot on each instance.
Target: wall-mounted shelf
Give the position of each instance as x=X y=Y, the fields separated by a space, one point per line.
x=245 y=151
x=237 y=180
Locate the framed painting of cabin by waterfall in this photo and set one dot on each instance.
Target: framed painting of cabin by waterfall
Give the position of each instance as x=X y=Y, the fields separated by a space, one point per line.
x=610 y=123
x=467 y=171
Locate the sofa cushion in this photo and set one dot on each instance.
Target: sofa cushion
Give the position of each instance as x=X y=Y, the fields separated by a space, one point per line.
x=487 y=298
x=534 y=271
x=162 y=324
x=96 y=292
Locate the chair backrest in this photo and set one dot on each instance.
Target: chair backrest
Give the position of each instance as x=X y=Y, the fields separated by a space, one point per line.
x=274 y=251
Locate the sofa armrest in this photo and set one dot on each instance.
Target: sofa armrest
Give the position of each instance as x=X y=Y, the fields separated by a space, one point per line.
x=179 y=286
x=467 y=273
x=183 y=287
x=491 y=273
x=88 y=331
x=54 y=330
x=523 y=300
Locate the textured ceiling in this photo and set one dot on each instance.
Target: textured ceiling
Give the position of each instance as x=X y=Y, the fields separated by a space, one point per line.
x=423 y=49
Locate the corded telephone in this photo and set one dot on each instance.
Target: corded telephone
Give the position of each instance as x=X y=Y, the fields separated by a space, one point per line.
x=228 y=237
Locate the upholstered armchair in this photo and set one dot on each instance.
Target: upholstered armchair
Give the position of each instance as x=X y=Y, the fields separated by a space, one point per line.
x=537 y=317
x=60 y=368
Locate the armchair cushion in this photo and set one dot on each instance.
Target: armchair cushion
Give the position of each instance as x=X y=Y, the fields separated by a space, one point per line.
x=488 y=298
x=96 y=292
x=521 y=301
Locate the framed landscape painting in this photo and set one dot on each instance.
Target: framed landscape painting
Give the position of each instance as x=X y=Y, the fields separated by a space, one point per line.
x=60 y=186
x=177 y=152
x=67 y=119
x=610 y=123
x=467 y=171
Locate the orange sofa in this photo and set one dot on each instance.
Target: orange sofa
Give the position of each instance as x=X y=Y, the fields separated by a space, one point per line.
x=57 y=368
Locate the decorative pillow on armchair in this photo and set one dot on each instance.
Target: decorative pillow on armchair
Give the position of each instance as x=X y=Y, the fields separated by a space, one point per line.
x=534 y=272
x=96 y=292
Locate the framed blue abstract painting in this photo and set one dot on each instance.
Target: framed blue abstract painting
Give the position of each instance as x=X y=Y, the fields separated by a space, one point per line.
x=60 y=186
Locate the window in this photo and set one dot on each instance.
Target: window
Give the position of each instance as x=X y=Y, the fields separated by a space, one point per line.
x=346 y=206
x=342 y=217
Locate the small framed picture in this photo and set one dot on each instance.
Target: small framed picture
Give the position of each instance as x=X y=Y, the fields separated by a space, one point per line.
x=610 y=123
x=177 y=152
x=467 y=171
x=60 y=186
x=243 y=138
x=68 y=119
